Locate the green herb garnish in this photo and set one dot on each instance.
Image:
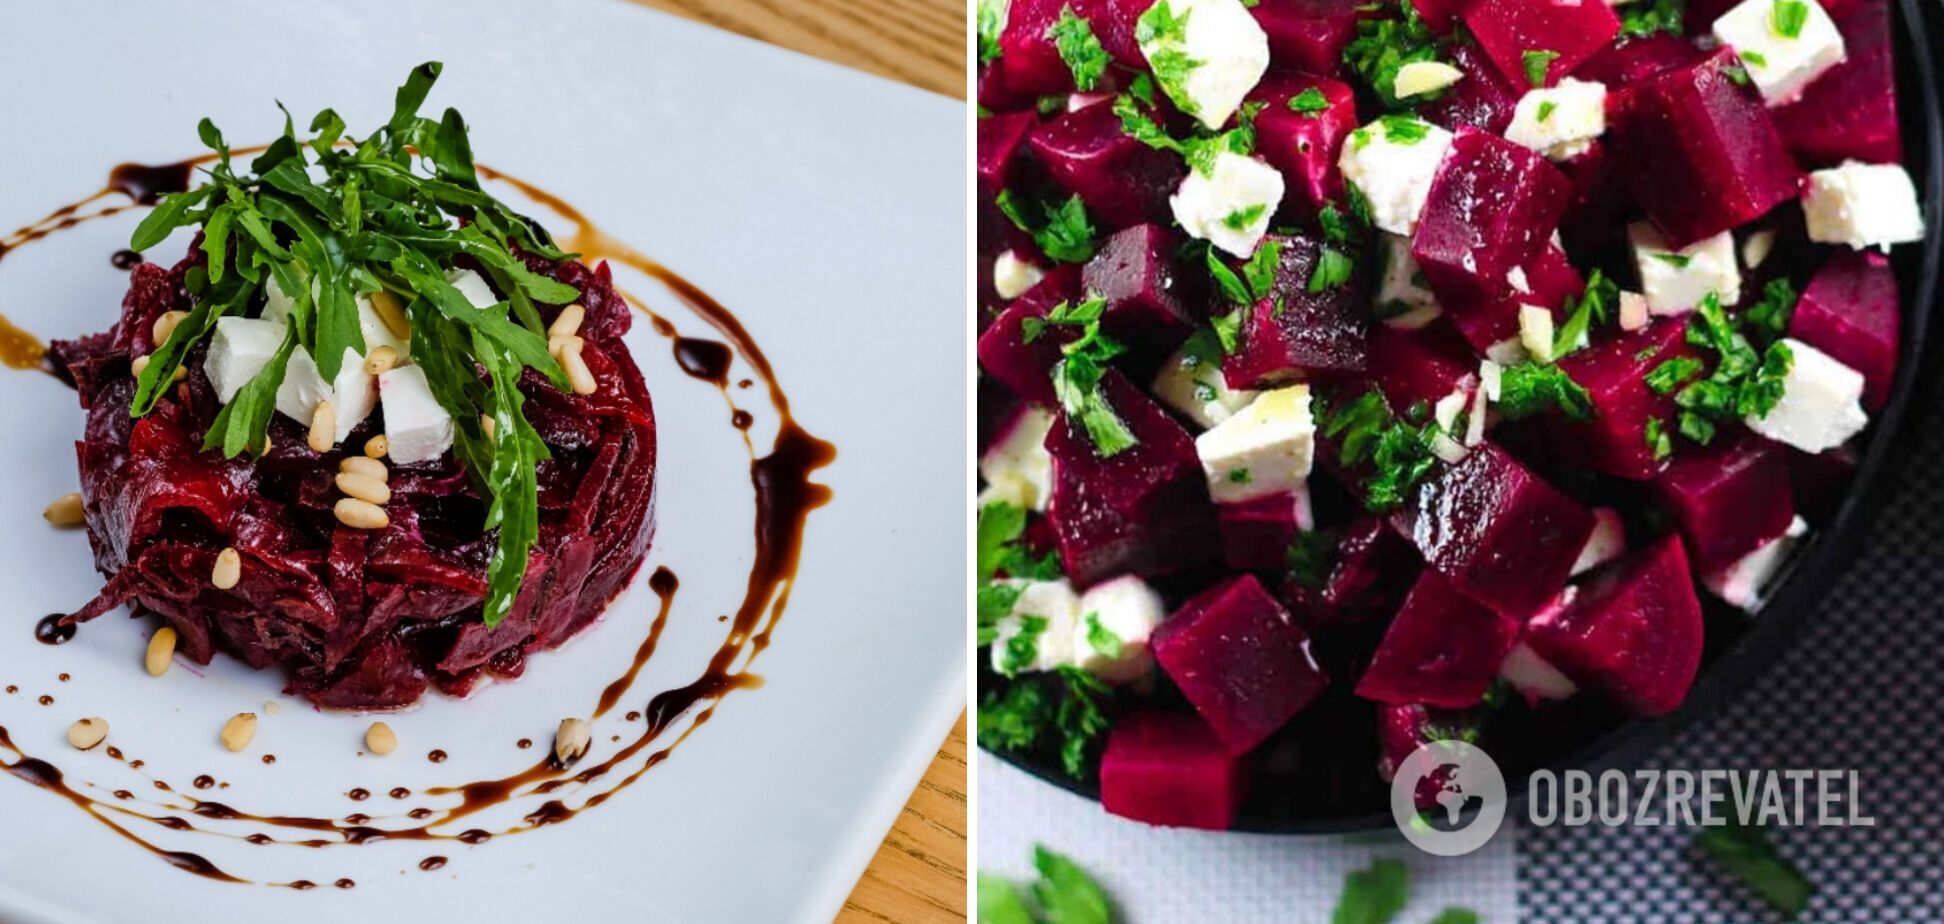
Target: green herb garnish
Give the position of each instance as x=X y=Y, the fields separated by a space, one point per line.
x=1678 y=261
x=1061 y=708
x=1787 y=18
x=1373 y=895
x=1530 y=388
x=1754 y=58
x=1162 y=34
x=1102 y=639
x=1309 y=102
x=1404 y=129
x=1333 y=268
x=1074 y=39
x=1384 y=45
x=1063 y=894
x=1062 y=230
x=1546 y=108
x=1770 y=316
x=1646 y=18
x=1076 y=378
x=992 y=23
x=1244 y=217
x=1537 y=62
x=1394 y=454
x=1310 y=557
x=1023 y=647
x=1658 y=442
x=1746 y=852
x=1746 y=382
x=1596 y=305
x=1673 y=373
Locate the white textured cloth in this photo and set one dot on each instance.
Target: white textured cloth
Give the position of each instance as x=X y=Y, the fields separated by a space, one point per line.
x=1171 y=876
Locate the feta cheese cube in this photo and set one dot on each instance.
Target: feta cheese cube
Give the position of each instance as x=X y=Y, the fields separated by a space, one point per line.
x=1018 y=459
x=1111 y=638
x=1820 y=407
x=1633 y=311
x=1676 y=281
x=1862 y=205
x=1038 y=634
x=1781 y=64
x=417 y=427
x=1404 y=298
x=1264 y=449
x=1192 y=383
x=238 y=350
x=1206 y=54
x=1756 y=248
x=1011 y=276
x=1607 y=542
x=474 y=287
x=352 y=394
x=1392 y=162
x=1508 y=352
x=1231 y=205
x=1743 y=583
x=1536 y=332
x=1534 y=676
x=1560 y=121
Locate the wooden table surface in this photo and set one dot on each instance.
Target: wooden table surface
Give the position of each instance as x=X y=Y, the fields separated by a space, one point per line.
x=918 y=875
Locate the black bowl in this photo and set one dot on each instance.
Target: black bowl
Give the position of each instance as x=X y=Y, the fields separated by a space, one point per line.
x=1815 y=568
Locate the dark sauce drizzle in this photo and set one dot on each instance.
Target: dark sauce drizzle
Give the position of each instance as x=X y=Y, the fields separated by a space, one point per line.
x=785 y=496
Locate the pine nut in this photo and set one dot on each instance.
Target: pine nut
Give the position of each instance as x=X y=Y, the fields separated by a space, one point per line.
x=84 y=734
x=379 y=739
x=578 y=374
x=377 y=446
x=181 y=372
x=568 y=322
x=161 y=651
x=165 y=324
x=392 y=313
x=364 y=488
x=323 y=427
x=381 y=360
x=239 y=731
x=136 y=366
x=559 y=343
x=366 y=466
x=486 y=425
x=359 y=514
x=66 y=511
x=570 y=743
x=229 y=569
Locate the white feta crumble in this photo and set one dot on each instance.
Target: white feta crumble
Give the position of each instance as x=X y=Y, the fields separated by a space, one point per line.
x=353 y=393
x=238 y=350
x=1536 y=332
x=1633 y=311
x=1534 y=676
x=1017 y=463
x=1607 y=542
x=1862 y=205
x=1743 y=582
x=1392 y=162
x=1038 y=634
x=1192 y=383
x=1206 y=54
x=1755 y=250
x=1490 y=376
x=474 y=287
x=1420 y=77
x=1404 y=299
x=1561 y=121
x=1264 y=449
x=1821 y=402
x=277 y=305
x=1784 y=44
x=1507 y=352
x=1012 y=276
x=416 y=426
x=1111 y=638
x=1675 y=281
x=1231 y=205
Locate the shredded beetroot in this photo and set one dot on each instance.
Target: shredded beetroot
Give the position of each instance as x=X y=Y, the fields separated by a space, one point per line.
x=359 y=619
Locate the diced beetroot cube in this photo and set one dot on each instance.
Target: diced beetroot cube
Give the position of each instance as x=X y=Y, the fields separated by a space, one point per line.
x=1134 y=271
x=1403 y=729
x=1597 y=217
x=1493 y=205
x=1728 y=498
x=1614 y=439
x=1304 y=145
x=1002 y=146
x=1030 y=63
x=1442 y=649
x=1701 y=14
x=1820 y=481
x=1439 y=14
x=1308 y=35
x=1295 y=330
x=1484 y=320
x=1369 y=571
x=1700 y=150
x=1640 y=58
x=1023 y=367
x=1504 y=537
x=1239 y=659
x=1167 y=768
x=1420 y=366
x=1569 y=30
x=1850 y=112
x=1851 y=312
x=1143 y=510
x=1484 y=99
x=1256 y=534
x=1633 y=630
x=1122 y=181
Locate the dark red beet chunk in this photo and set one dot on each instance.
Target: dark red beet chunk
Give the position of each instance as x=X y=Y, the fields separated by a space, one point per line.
x=1307 y=35
x=1256 y=534
x=1573 y=31
x=1304 y=146
x=1122 y=181
x=1239 y=659
x=1728 y=498
x=1640 y=58
x=1820 y=481
x=1026 y=368
x=1002 y=146
x=1850 y=112
x=1369 y=572
x=1403 y=729
x=1633 y=630
x=1483 y=100
x=1504 y=537
x=1144 y=510
x=1851 y=312
x=1700 y=151
x=1167 y=768
x=1134 y=271
x=1442 y=649
x=1484 y=320
x=1294 y=330
x=1424 y=365
x=1030 y=64
x=1614 y=439
x=1492 y=206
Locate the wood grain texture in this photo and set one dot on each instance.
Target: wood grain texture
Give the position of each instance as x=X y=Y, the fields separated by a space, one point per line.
x=918 y=875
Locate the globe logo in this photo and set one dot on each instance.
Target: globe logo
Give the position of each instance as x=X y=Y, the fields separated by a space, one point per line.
x=1448 y=798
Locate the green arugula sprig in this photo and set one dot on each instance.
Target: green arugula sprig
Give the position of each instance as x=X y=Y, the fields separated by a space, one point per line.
x=330 y=218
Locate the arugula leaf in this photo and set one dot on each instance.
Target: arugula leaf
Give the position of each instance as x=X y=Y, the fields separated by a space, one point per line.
x=169 y=214
x=240 y=426
x=1074 y=39
x=1375 y=894
x=1065 y=892
x=1746 y=853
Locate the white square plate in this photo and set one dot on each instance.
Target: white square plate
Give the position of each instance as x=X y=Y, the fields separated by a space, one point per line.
x=822 y=206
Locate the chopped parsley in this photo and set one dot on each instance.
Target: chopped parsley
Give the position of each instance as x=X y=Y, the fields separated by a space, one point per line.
x=1456 y=915
x=1404 y=129
x=1745 y=382
x=1658 y=442
x=1060 y=709
x=1228 y=328
x=1076 y=377
x=1596 y=305
x=1256 y=281
x=1102 y=639
x=1546 y=108
x=1062 y=230
x=1787 y=18
x=1310 y=102
x=1646 y=18
x=1063 y=894
x=1023 y=647
x=1162 y=35
x=1333 y=268
x=1385 y=44
x=1736 y=75
x=1746 y=852
x=1537 y=62
x=1200 y=151
x=1673 y=373
x=1531 y=388
x=1074 y=39
x=1754 y=57
x=1394 y=454
x=1244 y=217
x=1309 y=558
x=992 y=23
x=1001 y=526
x=1770 y=316
x=1678 y=261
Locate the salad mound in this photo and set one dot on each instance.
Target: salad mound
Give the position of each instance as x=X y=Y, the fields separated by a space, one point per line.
x=497 y=489
x=1358 y=375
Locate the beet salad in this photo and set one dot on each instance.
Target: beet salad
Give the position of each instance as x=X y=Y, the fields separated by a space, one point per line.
x=1355 y=375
